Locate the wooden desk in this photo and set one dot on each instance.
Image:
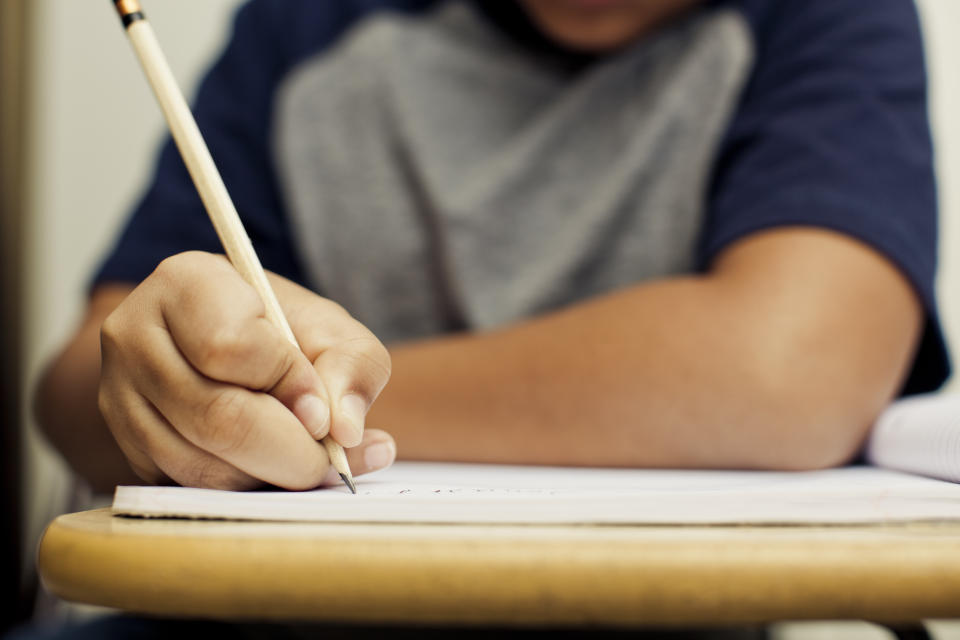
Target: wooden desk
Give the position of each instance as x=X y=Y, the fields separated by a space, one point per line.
x=618 y=576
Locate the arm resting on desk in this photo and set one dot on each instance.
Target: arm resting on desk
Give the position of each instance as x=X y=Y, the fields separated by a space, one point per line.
x=780 y=357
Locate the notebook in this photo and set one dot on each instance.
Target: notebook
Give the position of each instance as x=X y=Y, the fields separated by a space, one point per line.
x=917 y=436
x=920 y=434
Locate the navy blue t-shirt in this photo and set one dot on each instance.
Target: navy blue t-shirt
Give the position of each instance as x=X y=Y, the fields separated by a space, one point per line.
x=828 y=128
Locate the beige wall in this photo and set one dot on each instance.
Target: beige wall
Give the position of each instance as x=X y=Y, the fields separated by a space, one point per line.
x=941 y=18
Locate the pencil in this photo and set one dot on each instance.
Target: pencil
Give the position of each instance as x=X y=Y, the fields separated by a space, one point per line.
x=209 y=184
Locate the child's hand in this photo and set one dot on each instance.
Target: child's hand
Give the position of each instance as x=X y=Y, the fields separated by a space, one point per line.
x=199 y=388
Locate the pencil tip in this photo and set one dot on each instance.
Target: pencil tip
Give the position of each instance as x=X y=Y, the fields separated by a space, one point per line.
x=347 y=480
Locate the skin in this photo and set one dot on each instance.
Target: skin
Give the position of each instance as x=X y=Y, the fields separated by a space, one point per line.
x=769 y=361
x=600 y=26
x=198 y=388
x=779 y=357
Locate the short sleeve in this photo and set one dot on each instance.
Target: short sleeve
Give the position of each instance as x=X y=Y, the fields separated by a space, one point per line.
x=832 y=132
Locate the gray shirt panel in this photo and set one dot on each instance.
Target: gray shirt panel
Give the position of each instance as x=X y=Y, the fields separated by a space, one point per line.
x=441 y=176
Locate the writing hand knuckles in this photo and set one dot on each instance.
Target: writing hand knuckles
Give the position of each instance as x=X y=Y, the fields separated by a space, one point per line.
x=325 y=324
x=171 y=274
x=225 y=421
x=219 y=352
x=111 y=333
x=381 y=357
x=171 y=270
x=367 y=357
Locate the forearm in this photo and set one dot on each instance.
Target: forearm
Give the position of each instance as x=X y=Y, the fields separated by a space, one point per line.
x=66 y=405
x=780 y=358
x=734 y=370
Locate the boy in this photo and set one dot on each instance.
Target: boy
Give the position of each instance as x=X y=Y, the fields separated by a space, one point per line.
x=604 y=232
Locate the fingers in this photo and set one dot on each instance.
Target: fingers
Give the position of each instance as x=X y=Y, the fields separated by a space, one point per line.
x=352 y=363
x=354 y=379
x=249 y=430
x=329 y=382
x=159 y=455
x=218 y=323
x=243 y=428
x=199 y=388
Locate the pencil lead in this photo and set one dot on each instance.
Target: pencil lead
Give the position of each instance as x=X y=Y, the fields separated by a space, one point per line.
x=347 y=480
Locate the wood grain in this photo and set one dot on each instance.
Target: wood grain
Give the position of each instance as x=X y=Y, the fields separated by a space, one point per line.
x=526 y=575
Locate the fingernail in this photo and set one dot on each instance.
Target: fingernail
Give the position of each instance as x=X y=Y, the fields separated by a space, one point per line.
x=379 y=455
x=314 y=414
x=354 y=409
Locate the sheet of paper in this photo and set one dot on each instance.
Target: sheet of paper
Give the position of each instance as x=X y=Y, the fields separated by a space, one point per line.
x=919 y=434
x=459 y=493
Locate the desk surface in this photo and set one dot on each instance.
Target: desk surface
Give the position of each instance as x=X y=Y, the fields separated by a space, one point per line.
x=560 y=575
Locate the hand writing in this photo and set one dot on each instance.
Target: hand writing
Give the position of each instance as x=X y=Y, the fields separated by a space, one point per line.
x=200 y=389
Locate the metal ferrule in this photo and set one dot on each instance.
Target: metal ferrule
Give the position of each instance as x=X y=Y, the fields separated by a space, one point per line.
x=129 y=11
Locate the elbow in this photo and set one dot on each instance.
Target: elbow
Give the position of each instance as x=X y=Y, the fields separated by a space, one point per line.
x=815 y=423
x=805 y=447
x=820 y=394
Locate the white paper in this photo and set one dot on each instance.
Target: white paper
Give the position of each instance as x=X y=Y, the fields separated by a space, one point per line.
x=921 y=435
x=461 y=493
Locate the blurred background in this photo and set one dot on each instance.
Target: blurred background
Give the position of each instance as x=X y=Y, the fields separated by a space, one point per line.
x=78 y=135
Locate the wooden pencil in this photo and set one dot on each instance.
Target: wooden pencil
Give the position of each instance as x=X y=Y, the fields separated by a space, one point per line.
x=223 y=214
